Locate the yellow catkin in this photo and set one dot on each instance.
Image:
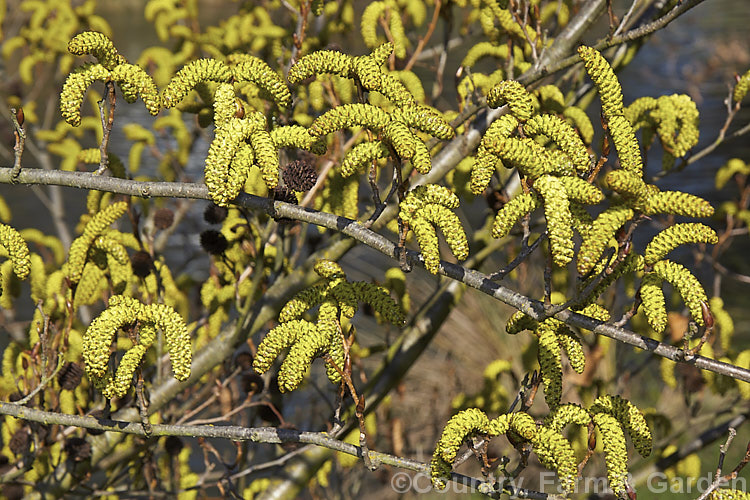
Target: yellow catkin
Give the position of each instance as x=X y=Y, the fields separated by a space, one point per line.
x=17 y=250
x=512 y=212
x=193 y=73
x=513 y=94
x=674 y=202
x=468 y=423
x=557 y=213
x=80 y=246
x=322 y=61
x=610 y=93
x=227 y=141
x=580 y=120
x=100 y=333
x=615 y=450
x=549 y=363
x=253 y=69
x=427 y=207
x=563 y=135
x=74 y=90
x=629 y=417
x=741 y=88
x=687 y=284
x=603 y=229
x=654 y=305
x=675 y=235
x=98 y=45
x=337 y=298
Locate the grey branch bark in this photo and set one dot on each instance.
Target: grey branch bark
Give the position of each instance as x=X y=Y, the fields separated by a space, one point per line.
x=355 y=230
x=270 y=435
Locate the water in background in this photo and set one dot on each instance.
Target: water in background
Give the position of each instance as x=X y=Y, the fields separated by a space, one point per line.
x=698 y=55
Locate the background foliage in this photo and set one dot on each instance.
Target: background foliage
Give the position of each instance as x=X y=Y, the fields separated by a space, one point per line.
x=475 y=118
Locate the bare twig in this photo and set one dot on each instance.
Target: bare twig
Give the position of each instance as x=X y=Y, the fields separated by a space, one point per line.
x=108 y=120
x=526 y=250
x=699 y=442
x=626 y=18
x=16 y=116
x=718 y=478
x=423 y=41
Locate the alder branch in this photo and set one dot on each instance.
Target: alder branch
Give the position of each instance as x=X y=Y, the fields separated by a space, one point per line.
x=357 y=231
x=679 y=9
x=108 y=121
x=555 y=61
x=268 y=435
x=17 y=118
x=566 y=40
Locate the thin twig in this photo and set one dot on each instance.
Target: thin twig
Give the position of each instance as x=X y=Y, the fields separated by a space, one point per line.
x=423 y=41
x=108 y=120
x=722 y=455
x=555 y=59
x=16 y=116
x=526 y=250
x=626 y=18
x=437 y=87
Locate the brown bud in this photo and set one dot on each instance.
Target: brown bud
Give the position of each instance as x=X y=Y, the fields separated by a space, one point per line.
x=213 y=242
x=299 y=175
x=239 y=109
x=215 y=214
x=142 y=263
x=592 y=440
x=244 y=360
x=252 y=383
x=19 y=116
